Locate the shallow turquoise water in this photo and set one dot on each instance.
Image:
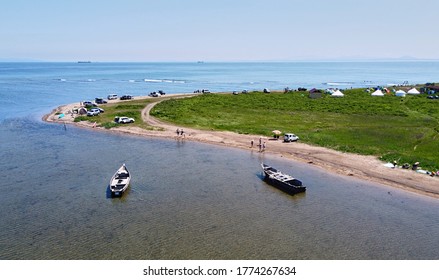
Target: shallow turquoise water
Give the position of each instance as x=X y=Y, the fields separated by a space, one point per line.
x=191 y=201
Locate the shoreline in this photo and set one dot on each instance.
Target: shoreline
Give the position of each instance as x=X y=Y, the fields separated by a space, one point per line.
x=367 y=168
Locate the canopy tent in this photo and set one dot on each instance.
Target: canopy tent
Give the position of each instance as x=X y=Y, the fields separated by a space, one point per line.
x=413 y=91
x=378 y=92
x=337 y=93
x=400 y=93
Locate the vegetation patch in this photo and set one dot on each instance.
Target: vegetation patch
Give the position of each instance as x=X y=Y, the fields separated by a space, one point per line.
x=404 y=129
x=131 y=109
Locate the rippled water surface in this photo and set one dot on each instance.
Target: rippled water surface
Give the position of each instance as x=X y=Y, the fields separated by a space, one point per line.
x=190 y=201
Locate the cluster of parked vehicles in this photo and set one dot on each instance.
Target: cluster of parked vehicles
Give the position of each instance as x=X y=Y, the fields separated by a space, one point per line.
x=123 y=97
x=157 y=93
x=92 y=108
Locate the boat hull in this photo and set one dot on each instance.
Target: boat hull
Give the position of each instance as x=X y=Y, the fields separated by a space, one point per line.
x=273 y=177
x=120 y=181
x=284 y=187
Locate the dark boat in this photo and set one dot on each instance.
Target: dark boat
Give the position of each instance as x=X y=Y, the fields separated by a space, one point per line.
x=282 y=181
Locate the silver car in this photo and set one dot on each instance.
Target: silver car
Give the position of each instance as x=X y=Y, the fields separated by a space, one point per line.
x=93 y=112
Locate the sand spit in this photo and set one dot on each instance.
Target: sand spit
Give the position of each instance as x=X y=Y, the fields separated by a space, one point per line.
x=363 y=167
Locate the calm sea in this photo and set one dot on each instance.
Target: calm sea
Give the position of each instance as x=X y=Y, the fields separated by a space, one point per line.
x=189 y=200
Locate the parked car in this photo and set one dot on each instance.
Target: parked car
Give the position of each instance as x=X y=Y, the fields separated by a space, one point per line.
x=112 y=96
x=89 y=104
x=126 y=97
x=266 y=90
x=290 y=137
x=100 y=109
x=154 y=94
x=100 y=100
x=93 y=112
x=123 y=120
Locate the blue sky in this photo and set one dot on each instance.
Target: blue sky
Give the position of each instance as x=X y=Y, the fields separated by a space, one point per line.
x=221 y=30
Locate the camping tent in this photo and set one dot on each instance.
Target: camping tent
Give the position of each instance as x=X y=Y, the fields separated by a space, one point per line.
x=400 y=93
x=413 y=91
x=337 y=93
x=378 y=92
x=82 y=111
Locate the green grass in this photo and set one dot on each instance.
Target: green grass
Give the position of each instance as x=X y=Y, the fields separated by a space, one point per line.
x=131 y=109
x=392 y=128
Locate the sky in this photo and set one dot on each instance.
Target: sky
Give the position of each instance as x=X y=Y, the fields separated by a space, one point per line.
x=220 y=30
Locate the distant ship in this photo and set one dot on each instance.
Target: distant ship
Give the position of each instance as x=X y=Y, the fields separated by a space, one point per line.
x=84 y=61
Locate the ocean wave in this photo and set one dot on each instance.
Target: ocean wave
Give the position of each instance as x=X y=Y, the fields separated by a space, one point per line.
x=152 y=80
x=339 y=83
x=163 y=81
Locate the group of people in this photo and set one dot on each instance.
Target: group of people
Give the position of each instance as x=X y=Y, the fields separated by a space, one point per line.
x=180 y=132
x=415 y=167
x=261 y=145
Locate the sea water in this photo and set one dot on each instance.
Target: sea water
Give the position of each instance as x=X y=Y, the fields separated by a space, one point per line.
x=188 y=200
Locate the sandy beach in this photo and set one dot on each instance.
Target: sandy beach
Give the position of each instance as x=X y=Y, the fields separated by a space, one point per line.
x=363 y=167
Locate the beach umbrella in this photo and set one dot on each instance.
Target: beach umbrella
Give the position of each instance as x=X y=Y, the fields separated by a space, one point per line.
x=277 y=132
x=61 y=116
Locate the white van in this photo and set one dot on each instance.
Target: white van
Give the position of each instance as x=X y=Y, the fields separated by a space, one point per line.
x=290 y=137
x=112 y=96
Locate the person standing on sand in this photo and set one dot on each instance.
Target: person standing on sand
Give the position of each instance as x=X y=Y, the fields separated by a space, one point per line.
x=178 y=131
x=263 y=147
x=251 y=143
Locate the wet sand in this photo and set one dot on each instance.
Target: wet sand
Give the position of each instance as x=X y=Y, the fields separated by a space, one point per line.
x=363 y=167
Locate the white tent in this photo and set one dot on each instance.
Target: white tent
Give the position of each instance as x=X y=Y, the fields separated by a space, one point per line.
x=330 y=91
x=400 y=93
x=413 y=91
x=378 y=92
x=338 y=93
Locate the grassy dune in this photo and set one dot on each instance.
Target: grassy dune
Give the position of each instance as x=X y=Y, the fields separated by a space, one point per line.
x=393 y=128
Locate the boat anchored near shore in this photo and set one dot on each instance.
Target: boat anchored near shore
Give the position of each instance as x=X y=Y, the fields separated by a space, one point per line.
x=120 y=181
x=282 y=181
